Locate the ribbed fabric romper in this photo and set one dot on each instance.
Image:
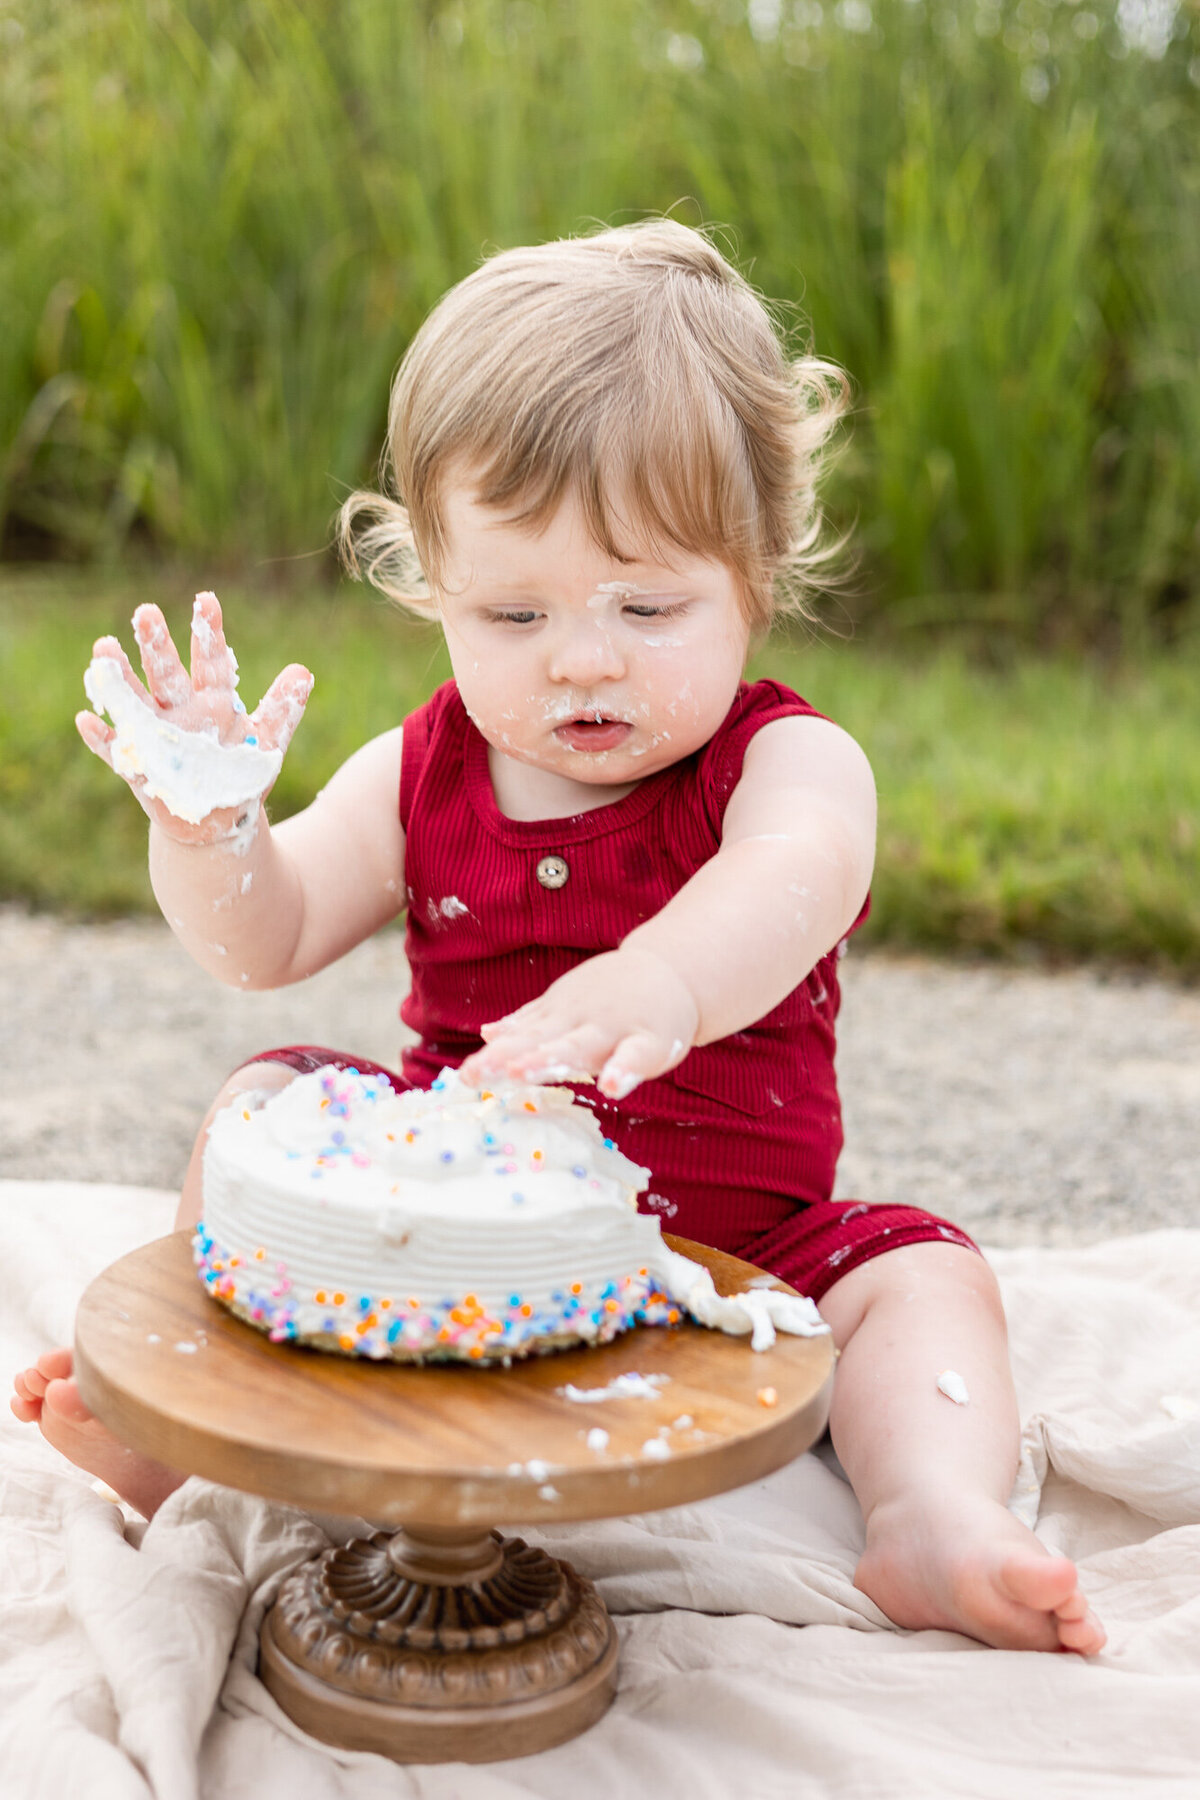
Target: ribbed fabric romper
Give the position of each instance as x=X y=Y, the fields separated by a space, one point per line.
x=743 y=1137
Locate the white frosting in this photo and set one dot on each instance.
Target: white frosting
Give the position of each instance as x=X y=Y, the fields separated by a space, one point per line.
x=452 y=1222
x=621 y=1387
x=192 y=772
x=759 y=1312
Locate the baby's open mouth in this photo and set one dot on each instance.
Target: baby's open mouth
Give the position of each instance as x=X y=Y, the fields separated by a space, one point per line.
x=593 y=731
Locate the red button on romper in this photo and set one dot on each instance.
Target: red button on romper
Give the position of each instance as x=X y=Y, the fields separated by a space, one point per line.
x=743 y=1137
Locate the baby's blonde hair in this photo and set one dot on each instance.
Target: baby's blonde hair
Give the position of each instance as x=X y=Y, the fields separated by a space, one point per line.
x=634 y=369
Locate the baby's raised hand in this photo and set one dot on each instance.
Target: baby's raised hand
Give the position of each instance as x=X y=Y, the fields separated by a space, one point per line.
x=619 y=1018
x=198 y=763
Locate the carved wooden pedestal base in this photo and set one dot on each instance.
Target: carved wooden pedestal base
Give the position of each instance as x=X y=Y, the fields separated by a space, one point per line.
x=447 y=1642
x=440 y=1645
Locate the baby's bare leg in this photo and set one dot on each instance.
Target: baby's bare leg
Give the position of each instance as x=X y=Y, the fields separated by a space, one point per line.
x=46 y=1393
x=933 y=1478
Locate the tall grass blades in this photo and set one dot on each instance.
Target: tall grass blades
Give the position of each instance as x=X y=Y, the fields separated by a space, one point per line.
x=222 y=220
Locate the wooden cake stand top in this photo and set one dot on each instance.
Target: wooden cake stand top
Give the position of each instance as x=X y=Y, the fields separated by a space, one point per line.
x=177 y=1377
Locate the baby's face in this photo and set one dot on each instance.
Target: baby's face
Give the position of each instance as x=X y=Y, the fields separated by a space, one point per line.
x=597 y=671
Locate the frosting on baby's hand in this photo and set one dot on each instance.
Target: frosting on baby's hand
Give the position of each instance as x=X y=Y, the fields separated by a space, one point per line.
x=192 y=773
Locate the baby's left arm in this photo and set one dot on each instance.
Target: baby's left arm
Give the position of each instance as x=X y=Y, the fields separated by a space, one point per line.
x=789 y=879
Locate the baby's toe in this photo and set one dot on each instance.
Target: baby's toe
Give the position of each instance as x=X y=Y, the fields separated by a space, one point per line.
x=1085 y=1635
x=55 y=1365
x=63 y=1398
x=29 y=1386
x=1041 y=1582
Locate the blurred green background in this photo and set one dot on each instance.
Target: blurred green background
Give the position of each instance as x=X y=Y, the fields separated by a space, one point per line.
x=221 y=221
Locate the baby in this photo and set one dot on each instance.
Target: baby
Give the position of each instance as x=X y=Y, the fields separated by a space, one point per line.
x=622 y=866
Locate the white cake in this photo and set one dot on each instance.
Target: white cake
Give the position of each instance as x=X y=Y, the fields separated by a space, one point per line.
x=451 y=1224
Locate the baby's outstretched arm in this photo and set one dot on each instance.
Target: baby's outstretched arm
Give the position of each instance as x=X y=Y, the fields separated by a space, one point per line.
x=787 y=883
x=256 y=907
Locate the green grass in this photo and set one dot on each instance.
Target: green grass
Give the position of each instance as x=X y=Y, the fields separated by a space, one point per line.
x=221 y=221
x=1044 y=803
x=1049 y=803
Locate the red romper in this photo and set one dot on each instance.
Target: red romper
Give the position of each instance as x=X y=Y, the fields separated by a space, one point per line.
x=743 y=1137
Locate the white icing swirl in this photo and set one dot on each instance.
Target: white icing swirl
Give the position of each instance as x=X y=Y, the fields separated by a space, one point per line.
x=449 y=1136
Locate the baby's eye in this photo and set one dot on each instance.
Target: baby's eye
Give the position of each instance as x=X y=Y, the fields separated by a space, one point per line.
x=639 y=610
x=522 y=616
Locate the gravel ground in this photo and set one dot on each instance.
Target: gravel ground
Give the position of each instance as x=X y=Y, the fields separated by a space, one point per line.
x=1033 y=1108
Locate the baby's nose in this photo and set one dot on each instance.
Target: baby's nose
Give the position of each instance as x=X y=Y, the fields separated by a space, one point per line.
x=586 y=654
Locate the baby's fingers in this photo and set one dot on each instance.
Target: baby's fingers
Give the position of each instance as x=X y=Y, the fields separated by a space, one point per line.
x=523 y=1019
x=565 y=1056
x=281 y=708
x=213 y=662
x=96 y=735
x=108 y=649
x=489 y=1064
x=518 y=1057
x=636 y=1059
x=100 y=739
x=166 y=676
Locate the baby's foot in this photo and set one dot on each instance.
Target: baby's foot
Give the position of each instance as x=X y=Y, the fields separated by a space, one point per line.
x=964 y=1563
x=45 y=1395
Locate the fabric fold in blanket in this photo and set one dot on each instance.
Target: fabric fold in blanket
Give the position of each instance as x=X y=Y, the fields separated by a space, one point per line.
x=750 y=1663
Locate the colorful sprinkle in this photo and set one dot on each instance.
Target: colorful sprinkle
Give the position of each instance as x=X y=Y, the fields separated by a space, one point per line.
x=459 y=1328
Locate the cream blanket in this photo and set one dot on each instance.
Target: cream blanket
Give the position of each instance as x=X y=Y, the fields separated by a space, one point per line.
x=127 y=1652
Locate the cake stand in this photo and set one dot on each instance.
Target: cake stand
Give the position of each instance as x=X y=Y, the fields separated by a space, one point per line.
x=438 y=1640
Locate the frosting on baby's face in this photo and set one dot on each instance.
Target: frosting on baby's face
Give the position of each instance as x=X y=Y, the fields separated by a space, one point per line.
x=583 y=672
